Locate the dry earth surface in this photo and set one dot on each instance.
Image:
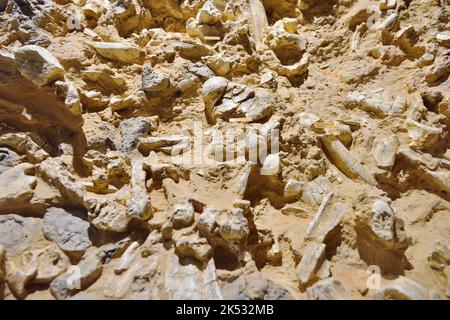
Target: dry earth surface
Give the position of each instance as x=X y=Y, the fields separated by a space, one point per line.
x=347 y=101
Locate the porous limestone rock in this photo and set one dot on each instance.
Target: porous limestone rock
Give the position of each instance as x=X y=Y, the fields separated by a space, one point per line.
x=154 y=81
x=18 y=233
x=328 y=289
x=183 y=214
x=227 y=100
x=38 y=65
x=385 y=151
x=68 y=231
x=132 y=129
x=17 y=186
x=233 y=226
x=328 y=217
x=118 y=51
x=312 y=258
x=194 y=246
x=139 y=205
x=77 y=277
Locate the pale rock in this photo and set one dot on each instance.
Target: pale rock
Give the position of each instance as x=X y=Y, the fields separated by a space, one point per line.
x=219 y=63
x=292 y=70
x=259 y=24
x=213 y=90
x=233 y=226
x=38 y=65
x=253 y=285
x=280 y=39
x=328 y=289
x=293 y=189
x=340 y=131
x=202 y=71
x=260 y=108
x=314 y=191
x=271 y=165
x=388 y=4
x=268 y=80
x=307 y=119
x=275 y=254
x=20 y=272
x=385 y=225
x=133 y=128
x=345 y=161
x=112 y=215
x=193 y=246
x=18 y=233
x=242 y=183
x=295 y=211
x=160 y=171
x=93 y=100
x=35 y=267
x=187 y=282
x=406 y=39
x=131 y=101
x=426 y=60
x=422 y=135
x=444 y=38
x=139 y=205
x=174 y=145
x=403 y=288
x=376 y=101
x=384 y=150
x=8 y=159
x=328 y=217
x=324 y=271
x=106 y=79
x=51 y=263
x=312 y=258
x=226 y=100
x=417 y=158
x=447 y=154
x=389 y=22
x=208 y=14
x=154 y=82
x=17 y=186
x=93 y=9
x=287 y=24
x=118 y=171
x=77 y=277
x=68 y=231
x=128 y=258
x=183 y=215
x=444 y=107
x=54 y=172
x=439 y=178
x=439 y=70
x=192 y=50
x=70 y=95
x=439 y=258
x=118 y=51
